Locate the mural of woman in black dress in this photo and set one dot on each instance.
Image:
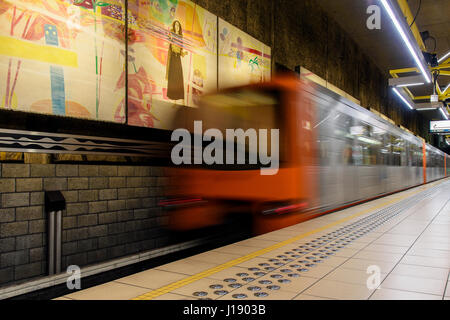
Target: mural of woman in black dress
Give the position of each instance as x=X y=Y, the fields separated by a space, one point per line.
x=174 y=71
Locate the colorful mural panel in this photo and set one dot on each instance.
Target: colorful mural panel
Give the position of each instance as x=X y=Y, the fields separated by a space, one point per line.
x=62 y=57
x=242 y=58
x=172 y=59
x=70 y=58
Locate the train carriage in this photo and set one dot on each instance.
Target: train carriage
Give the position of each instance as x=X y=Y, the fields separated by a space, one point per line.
x=332 y=154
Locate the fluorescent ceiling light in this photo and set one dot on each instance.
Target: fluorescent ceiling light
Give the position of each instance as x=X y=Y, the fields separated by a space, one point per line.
x=410 y=85
x=448 y=86
x=403 y=99
x=444 y=57
x=443 y=113
x=426 y=109
x=405 y=39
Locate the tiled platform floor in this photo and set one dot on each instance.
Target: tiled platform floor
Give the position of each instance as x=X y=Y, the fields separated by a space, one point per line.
x=318 y=259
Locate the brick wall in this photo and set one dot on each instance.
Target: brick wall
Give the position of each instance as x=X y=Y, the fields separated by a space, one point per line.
x=111 y=212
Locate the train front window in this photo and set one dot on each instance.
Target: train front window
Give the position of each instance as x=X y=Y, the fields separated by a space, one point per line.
x=248 y=109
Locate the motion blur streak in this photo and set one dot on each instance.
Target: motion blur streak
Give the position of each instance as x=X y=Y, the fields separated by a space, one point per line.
x=332 y=154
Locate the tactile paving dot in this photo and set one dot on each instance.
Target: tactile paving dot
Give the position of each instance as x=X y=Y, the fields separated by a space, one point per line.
x=254 y=288
x=276 y=276
x=281 y=256
x=200 y=294
x=294 y=275
x=261 y=294
x=221 y=292
x=263 y=264
x=273 y=287
x=235 y=285
x=249 y=279
x=242 y=274
x=254 y=269
x=279 y=264
x=239 y=296
x=295 y=266
x=284 y=281
x=259 y=274
x=303 y=270
x=303 y=261
x=269 y=268
x=311 y=265
x=230 y=280
x=274 y=260
x=317 y=261
x=265 y=282
x=286 y=270
x=216 y=286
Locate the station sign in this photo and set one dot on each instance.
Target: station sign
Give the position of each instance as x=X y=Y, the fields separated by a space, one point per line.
x=440 y=126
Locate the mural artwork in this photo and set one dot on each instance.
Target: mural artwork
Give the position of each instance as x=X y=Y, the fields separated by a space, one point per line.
x=69 y=58
x=173 y=56
x=242 y=58
x=62 y=57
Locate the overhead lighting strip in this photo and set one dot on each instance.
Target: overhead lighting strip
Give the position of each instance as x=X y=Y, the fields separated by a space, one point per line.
x=403 y=99
x=445 y=90
x=405 y=38
x=443 y=113
x=444 y=57
x=410 y=85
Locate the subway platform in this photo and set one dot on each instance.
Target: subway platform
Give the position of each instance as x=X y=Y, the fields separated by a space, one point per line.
x=392 y=248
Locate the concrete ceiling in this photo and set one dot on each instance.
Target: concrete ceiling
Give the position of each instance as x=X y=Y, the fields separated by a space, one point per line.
x=385 y=47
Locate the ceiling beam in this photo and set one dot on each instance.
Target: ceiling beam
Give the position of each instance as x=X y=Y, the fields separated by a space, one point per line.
x=395 y=82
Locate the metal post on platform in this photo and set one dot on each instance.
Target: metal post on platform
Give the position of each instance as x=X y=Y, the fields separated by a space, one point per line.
x=54 y=204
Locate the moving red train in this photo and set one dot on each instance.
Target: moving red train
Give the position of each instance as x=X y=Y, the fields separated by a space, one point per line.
x=332 y=154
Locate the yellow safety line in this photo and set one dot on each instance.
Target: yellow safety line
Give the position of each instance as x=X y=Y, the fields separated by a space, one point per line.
x=181 y=283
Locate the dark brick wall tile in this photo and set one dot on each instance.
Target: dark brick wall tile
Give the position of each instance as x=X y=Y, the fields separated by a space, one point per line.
x=7 y=185
x=88 y=195
x=98 y=183
x=28 y=271
x=29 y=213
x=42 y=170
x=29 y=184
x=78 y=183
x=55 y=184
x=88 y=171
x=117 y=182
x=14 y=258
x=15 y=200
x=66 y=170
x=12 y=170
x=7 y=244
x=13 y=229
x=29 y=241
x=7 y=215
